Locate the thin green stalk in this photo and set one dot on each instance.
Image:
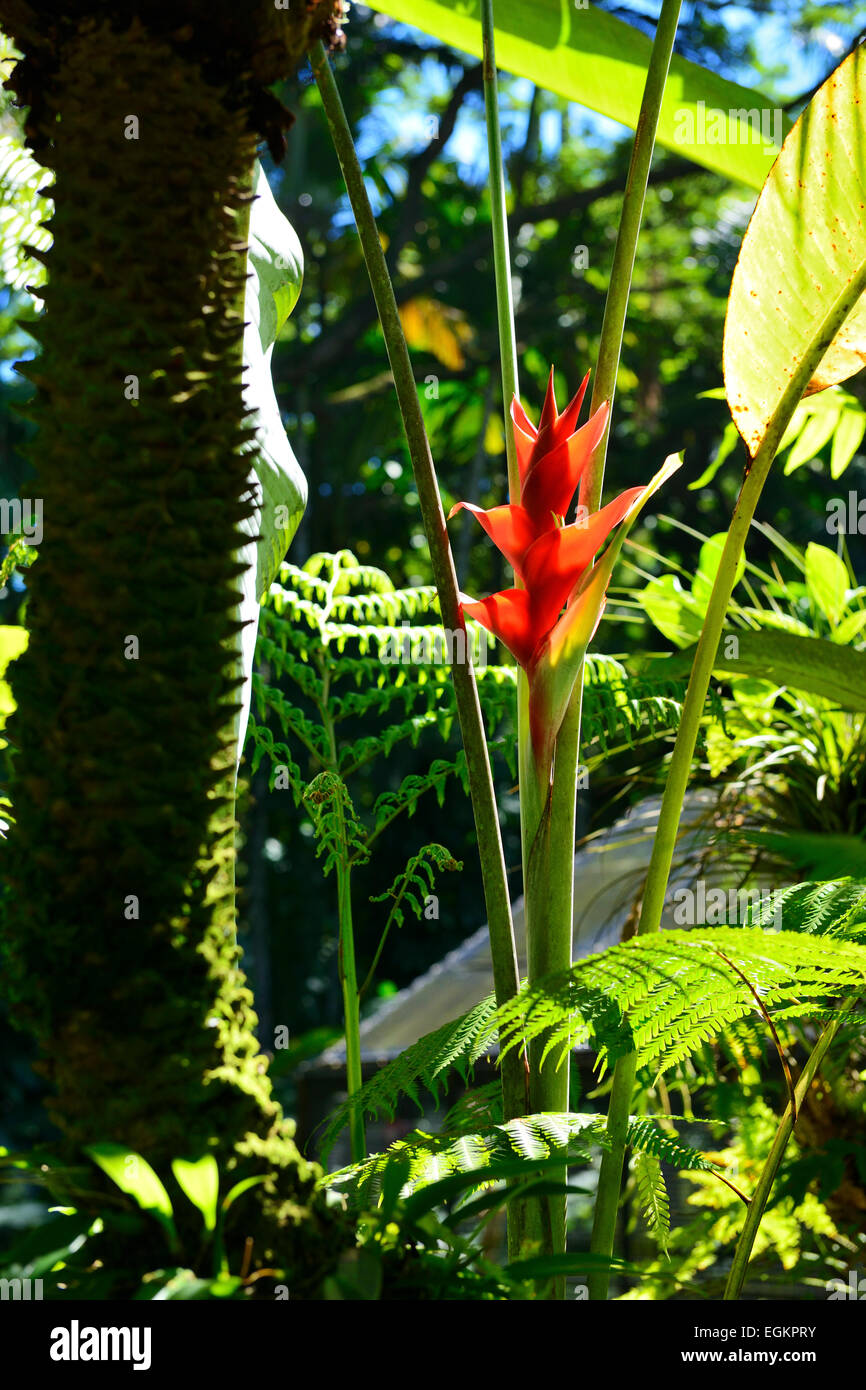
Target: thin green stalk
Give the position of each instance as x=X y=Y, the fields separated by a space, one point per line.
x=670 y=813
x=505 y=977
x=616 y=304
x=351 y=1007
x=346 y=967
x=760 y=1197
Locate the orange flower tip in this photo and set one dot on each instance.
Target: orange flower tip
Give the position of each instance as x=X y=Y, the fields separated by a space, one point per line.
x=458 y=506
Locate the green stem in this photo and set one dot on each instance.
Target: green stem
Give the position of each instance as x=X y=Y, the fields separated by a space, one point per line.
x=351 y=1006
x=504 y=954
x=616 y=304
x=346 y=966
x=760 y=1197
x=681 y=759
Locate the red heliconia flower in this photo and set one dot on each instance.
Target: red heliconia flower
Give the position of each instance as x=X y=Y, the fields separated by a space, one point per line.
x=554 y=562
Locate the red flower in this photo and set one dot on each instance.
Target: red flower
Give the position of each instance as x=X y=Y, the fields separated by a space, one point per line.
x=547 y=556
x=553 y=561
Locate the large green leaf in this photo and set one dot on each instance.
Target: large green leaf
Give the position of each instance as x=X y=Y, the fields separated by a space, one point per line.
x=798 y=289
x=134 y=1175
x=804 y=663
x=600 y=61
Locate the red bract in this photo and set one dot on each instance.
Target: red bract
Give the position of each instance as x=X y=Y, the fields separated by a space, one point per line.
x=549 y=557
x=554 y=562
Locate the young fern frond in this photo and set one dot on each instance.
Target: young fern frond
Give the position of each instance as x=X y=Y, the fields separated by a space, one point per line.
x=412 y=887
x=338 y=831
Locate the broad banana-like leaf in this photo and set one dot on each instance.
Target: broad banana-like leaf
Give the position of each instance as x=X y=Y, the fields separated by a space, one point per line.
x=593 y=58
x=275 y=265
x=797 y=296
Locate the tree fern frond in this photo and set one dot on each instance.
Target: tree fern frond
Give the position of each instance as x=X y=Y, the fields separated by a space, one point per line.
x=412 y=788
x=24 y=214
x=284 y=772
x=435 y=1156
x=648 y=1136
x=478 y=1109
x=652 y=1195
x=662 y=995
x=834 y=908
x=426 y=1065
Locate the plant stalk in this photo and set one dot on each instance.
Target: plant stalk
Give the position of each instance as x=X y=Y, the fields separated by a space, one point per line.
x=505 y=976
x=346 y=966
x=760 y=1197
x=351 y=1007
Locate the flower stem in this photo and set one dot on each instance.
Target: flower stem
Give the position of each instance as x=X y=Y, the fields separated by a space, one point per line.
x=664 y=844
x=505 y=977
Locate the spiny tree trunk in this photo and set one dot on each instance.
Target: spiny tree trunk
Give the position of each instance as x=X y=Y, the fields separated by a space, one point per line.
x=119 y=933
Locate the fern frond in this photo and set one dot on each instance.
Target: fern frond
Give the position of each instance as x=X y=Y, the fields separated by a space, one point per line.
x=478 y=1109
x=292 y=719
x=663 y=995
x=24 y=213
x=835 y=908
x=426 y=1065
x=412 y=788
x=416 y=882
x=652 y=1195
x=647 y=1136
x=422 y=1158
x=284 y=772
x=363 y=750
x=435 y=1156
